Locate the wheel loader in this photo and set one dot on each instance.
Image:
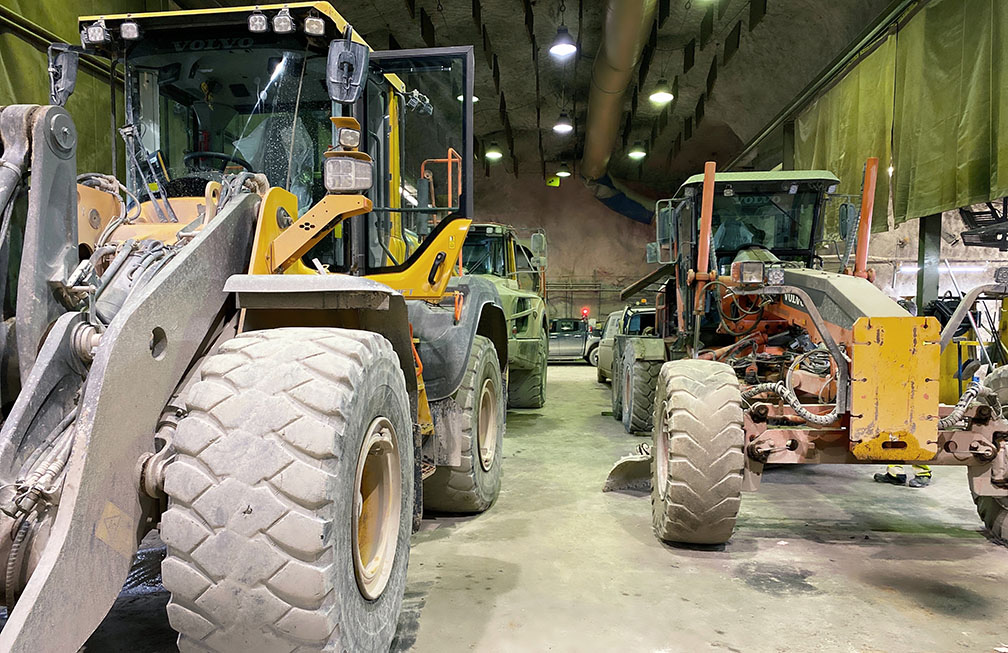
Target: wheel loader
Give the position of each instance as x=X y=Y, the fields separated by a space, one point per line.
x=767 y=358
x=495 y=252
x=237 y=341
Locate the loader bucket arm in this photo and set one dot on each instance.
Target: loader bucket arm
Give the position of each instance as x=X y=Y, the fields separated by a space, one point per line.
x=101 y=516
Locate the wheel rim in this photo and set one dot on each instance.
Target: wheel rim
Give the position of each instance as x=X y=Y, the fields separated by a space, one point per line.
x=486 y=425
x=377 y=508
x=661 y=453
x=593 y=357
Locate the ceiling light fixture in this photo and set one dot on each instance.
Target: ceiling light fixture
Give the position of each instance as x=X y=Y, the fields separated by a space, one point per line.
x=637 y=152
x=493 y=153
x=663 y=93
x=563 y=45
x=563 y=124
x=563 y=171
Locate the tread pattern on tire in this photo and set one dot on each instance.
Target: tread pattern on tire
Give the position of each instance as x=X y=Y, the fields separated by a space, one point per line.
x=468 y=488
x=638 y=413
x=527 y=388
x=616 y=389
x=260 y=433
x=703 y=419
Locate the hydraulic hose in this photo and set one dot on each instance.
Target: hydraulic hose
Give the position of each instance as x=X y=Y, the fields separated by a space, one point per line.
x=967 y=398
x=780 y=389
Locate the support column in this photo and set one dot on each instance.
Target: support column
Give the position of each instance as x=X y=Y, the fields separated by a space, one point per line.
x=928 y=258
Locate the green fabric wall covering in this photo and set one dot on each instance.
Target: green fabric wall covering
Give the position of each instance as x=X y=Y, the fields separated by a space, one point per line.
x=24 y=79
x=948 y=66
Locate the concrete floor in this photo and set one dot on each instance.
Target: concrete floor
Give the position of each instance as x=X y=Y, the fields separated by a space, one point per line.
x=823 y=560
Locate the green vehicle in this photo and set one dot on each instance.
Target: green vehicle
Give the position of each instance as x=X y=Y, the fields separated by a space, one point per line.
x=497 y=253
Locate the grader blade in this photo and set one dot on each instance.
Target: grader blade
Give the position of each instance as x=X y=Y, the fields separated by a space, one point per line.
x=630 y=473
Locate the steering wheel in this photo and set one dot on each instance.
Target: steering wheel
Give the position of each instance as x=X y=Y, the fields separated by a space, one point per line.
x=219 y=156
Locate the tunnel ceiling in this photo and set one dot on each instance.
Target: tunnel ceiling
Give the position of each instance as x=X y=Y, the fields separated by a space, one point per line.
x=734 y=92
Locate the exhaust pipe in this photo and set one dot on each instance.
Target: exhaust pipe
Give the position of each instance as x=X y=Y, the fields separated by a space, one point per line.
x=627 y=27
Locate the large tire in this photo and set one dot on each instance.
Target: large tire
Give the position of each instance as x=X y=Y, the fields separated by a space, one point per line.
x=599 y=375
x=291 y=498
x=993 y=512
x=527 y=388
x=592 y=356
x=640 y=377
x=697 y=456
x=473 y=486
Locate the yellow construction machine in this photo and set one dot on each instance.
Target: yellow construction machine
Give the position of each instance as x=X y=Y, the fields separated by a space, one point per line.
x=241 y=341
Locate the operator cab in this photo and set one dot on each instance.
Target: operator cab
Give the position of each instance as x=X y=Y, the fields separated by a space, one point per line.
x=778 y=211
x=245 y=90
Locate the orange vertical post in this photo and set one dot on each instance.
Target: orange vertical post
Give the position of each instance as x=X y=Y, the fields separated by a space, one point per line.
x=864 y=225
x=706 y=217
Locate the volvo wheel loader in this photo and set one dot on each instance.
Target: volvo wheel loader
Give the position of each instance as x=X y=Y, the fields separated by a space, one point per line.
x=238 y=341
x=767 y=358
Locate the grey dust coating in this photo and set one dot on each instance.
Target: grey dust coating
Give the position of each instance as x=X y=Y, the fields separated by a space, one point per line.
x=823 y=560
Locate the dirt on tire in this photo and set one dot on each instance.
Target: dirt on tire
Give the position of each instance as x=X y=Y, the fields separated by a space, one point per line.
x=260 y=525
x=697 y=456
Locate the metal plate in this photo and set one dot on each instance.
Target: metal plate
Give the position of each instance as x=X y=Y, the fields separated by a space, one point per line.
x=894 y=388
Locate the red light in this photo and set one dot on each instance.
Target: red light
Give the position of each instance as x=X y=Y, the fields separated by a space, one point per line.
x=584 y=312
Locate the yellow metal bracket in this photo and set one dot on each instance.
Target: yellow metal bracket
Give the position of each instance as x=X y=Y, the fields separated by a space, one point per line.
x=434 y=263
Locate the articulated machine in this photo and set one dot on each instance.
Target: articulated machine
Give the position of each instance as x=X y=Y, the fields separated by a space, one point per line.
x=240 y=343
x=769 y=359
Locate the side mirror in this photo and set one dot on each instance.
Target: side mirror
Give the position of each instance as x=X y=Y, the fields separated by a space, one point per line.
x=538 y=246
x=345 y=69
x=63 y=63
x=847 y=216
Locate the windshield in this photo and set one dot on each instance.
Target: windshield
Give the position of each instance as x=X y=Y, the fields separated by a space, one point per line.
x=777 y=221
x=483 y=253
x=200 y=113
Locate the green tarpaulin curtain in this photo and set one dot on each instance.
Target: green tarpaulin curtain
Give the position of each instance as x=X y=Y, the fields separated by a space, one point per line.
x=937 y=85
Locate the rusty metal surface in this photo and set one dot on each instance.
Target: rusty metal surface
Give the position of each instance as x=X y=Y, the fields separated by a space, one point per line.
x=101 y=517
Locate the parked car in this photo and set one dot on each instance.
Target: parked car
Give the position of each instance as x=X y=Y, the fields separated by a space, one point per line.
x=571 y=339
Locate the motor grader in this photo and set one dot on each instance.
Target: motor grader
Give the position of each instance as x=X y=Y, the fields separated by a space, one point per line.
x=238 y=342
x=767 y=358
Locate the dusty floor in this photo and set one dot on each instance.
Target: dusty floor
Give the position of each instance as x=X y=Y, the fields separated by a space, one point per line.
x=823 y=560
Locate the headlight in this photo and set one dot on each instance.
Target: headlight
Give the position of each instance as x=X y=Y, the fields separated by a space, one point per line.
x=344 y=174
x=348 y=137
x=96 y=32
x=257 y=23
x=129 y=30
x=750 y=273
x=775 y=276
x=314 y=26
x=282 y=22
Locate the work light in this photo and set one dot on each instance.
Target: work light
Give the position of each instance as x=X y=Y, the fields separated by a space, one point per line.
x=257 y=23
x=129 y=30
x=345 y=174
x=314 y=26
x=282 y=22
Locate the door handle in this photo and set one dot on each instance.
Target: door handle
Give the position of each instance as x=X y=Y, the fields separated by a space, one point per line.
x=438 y=262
